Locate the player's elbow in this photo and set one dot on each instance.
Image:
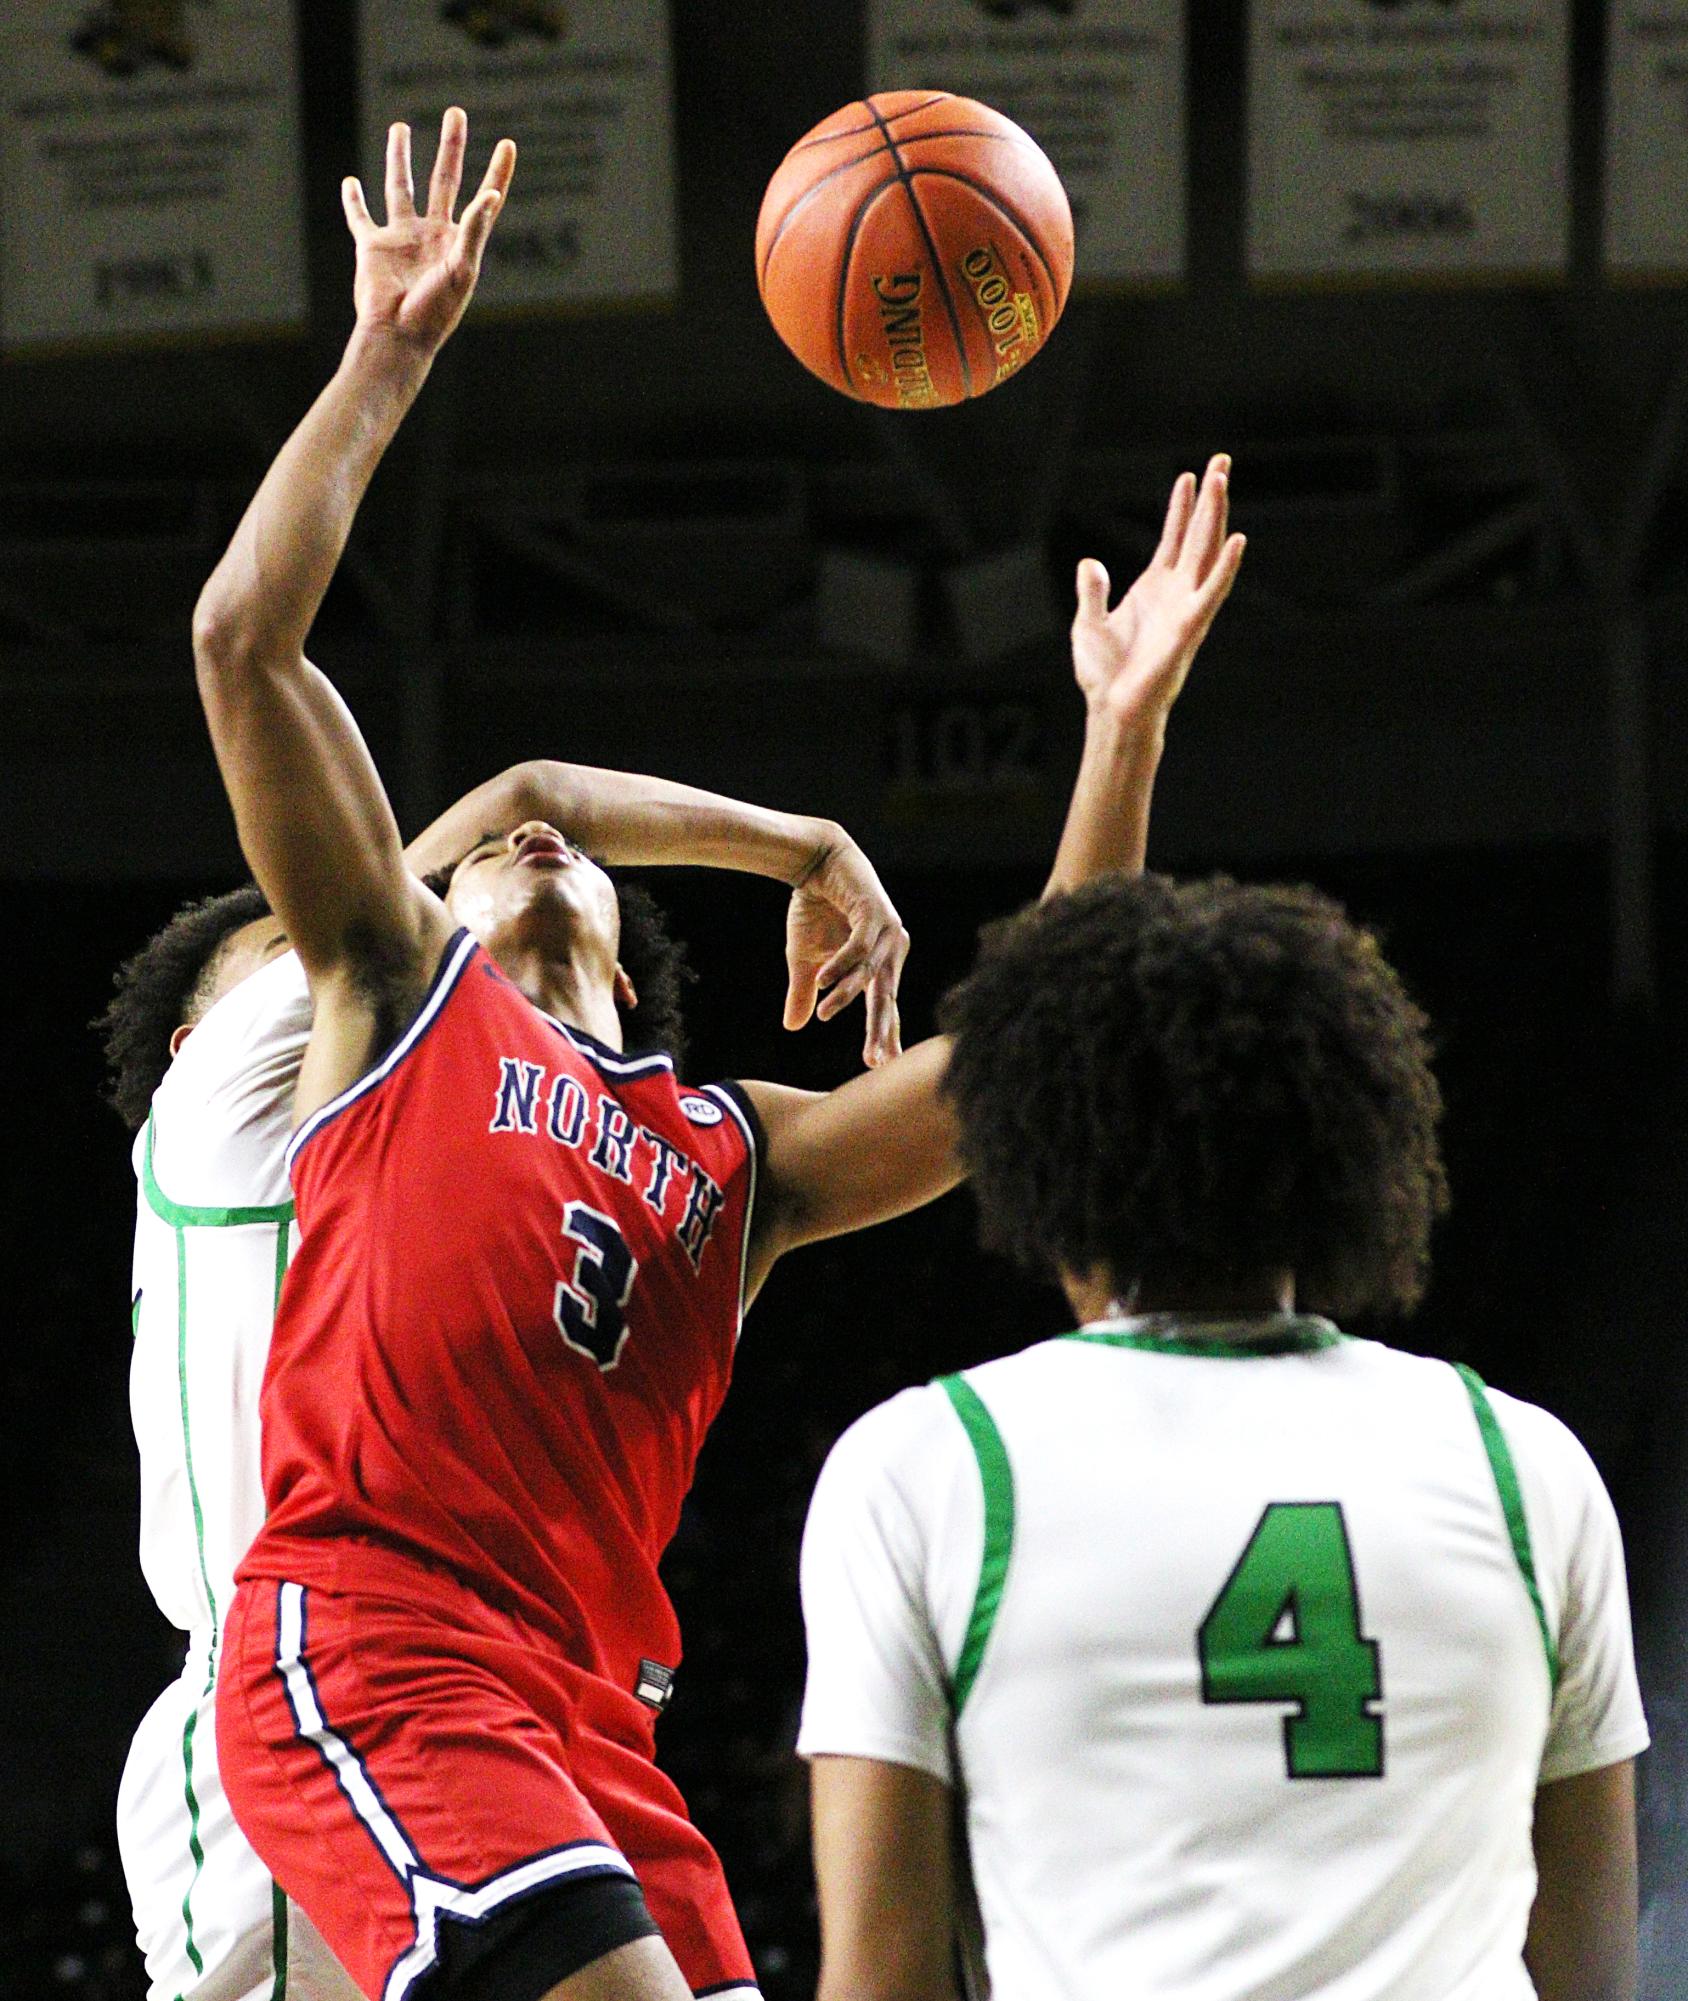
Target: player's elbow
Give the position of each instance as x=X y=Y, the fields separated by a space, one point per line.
x=543 y=788
x=233 y=655
x=222 y=641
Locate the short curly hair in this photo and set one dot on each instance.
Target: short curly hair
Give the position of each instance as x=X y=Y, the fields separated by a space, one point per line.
x=170 y=980
x=1199 y=1083
x=655 y=961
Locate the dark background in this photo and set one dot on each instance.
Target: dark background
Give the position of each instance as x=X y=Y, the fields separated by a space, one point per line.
x=1449 y=688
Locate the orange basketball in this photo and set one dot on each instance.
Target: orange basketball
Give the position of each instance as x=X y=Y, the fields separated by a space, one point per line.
x=914 y=249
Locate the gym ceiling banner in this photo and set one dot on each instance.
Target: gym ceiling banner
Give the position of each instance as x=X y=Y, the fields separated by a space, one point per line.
x=1099 y=84
x=1408 y=139
x=583 y=88
x=1647 y=139
x=149 y=171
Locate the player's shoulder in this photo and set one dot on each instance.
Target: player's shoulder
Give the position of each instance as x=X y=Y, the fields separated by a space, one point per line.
x=1544 y=1444
x=268 y=1012
x=909 y=1451
x=900 y=1433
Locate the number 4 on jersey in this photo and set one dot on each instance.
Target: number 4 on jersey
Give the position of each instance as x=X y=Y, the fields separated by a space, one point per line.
x=591 y=1307
x=1286 y=1628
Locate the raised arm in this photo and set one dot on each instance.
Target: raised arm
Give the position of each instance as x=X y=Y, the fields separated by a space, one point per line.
x=1130 y=664
x=883 y=1144
x=313 y=819
x=843 y=935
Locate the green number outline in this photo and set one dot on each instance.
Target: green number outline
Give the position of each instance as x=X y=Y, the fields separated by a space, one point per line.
x=1307 y=1753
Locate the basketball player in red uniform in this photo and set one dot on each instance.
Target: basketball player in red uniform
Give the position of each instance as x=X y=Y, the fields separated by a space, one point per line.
x=525 y=1252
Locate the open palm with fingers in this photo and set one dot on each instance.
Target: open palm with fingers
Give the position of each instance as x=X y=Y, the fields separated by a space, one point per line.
x=416 y=271
x=1134 y=658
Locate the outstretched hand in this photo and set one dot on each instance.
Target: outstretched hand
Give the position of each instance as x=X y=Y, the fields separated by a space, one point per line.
x=843 y=937
x=1134 y=659
x=417 y=273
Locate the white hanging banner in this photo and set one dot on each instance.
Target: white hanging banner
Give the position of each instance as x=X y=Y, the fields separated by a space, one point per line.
x=1402 y=139
x=583 y=88
x=149 y=171
x=1100 y=88
x=1647 y=139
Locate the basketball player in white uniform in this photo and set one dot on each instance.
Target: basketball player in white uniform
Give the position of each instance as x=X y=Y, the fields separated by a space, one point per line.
x=215 y=1011
x=1207 y=1654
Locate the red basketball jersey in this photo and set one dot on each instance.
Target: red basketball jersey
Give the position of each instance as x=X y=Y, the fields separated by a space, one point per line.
x=510 y=1321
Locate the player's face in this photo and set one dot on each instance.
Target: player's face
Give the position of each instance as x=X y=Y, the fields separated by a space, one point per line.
x=240 y=955
x=244 y=951
x=534 y=887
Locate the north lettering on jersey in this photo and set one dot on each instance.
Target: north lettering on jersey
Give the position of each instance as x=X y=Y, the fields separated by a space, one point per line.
x=703 y=1205
x=613 y=1153
x=528 y=1101
x=664 y=1159
x=518 y=1096
x=568 y=1111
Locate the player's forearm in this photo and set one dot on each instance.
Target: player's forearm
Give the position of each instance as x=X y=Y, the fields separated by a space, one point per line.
x=625 y=818
x=1107 y=825
x=263 y=597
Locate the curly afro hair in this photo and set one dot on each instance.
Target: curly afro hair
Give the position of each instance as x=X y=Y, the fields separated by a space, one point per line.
x=168 y=981
x=1200 y=1083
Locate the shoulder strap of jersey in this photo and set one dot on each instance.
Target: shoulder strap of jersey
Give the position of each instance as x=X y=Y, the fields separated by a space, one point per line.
x=996 y=1477
x=1511 y=1504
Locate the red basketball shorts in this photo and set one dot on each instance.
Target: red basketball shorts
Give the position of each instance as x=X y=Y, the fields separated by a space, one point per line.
x=412 y=1770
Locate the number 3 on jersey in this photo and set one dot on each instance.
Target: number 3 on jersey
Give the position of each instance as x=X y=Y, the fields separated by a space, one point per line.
x=591 y=1306
x=1286 y=1628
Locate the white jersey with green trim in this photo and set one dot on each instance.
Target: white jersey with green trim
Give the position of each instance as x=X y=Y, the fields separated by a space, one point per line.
x=213 y=1234
x=212 y=1238
x=1246 y=1650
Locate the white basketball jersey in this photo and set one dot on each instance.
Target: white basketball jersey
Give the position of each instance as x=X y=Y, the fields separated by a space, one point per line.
x=213 y=1234
x=1245 y=1656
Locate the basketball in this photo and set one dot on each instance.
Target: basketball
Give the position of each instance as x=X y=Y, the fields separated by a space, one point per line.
x=915 y=249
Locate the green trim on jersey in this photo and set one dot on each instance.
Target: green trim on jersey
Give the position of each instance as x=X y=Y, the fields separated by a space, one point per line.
x=195 y=1847
x=996 y=1478
x=283 y=1250
x=1511 y=1505
x=187 y=1427
x=1296 y=1334
x=278 y=1935
x=182 y=1216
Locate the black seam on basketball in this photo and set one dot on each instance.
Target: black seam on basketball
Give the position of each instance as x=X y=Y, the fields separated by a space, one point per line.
x=907 y=180
x=970 y=132
x=912 y=111
x=807 y=195
x=1007 y=214
x=856 y=221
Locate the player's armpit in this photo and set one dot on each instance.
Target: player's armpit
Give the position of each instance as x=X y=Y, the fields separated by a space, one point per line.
x=885 y=1875
x=878 y=1146
x=1582 y=1939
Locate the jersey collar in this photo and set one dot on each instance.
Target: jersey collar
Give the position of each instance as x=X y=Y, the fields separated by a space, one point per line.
x=1232 y=1337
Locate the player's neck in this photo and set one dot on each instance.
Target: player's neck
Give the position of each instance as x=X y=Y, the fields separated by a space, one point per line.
x=1099 y=1296
x=564 y=991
